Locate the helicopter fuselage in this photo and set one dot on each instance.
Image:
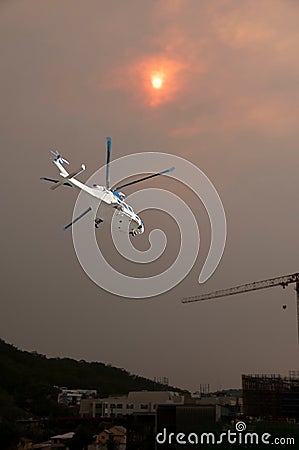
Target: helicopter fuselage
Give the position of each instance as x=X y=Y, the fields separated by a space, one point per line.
x=112 y=206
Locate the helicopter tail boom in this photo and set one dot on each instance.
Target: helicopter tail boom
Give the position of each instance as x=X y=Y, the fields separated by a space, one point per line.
x=68 y=177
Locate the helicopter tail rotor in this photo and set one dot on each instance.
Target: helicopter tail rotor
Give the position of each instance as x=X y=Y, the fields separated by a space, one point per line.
x=58 y=157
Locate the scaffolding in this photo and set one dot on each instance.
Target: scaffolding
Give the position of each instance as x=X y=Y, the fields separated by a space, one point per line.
x=271 y=396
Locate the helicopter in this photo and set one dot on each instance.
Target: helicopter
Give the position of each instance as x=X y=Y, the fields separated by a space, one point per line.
x=112 y=202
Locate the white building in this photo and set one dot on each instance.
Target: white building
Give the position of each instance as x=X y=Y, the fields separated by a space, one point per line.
x=73 y=396
x=136 y=402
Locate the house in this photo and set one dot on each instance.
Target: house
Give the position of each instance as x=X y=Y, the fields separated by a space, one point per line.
x=61 y=440
x=116 y=434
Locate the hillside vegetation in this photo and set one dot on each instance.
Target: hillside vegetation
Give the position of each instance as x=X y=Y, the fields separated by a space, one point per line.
x=28 y=381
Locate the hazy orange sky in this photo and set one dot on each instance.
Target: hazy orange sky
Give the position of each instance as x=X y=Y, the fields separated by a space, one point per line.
x=74 y=72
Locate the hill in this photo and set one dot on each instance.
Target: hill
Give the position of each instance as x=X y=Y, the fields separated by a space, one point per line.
x=29 y=389
x=20 y=367
x=29 y=381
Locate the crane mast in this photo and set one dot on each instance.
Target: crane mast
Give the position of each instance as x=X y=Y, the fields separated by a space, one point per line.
x=255 y=286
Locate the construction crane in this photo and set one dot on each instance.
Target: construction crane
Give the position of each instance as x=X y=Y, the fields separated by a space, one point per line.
x=283 y=281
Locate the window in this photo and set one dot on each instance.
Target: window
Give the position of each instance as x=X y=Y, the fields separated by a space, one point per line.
x=112 y=405
x=143 y=406
x=130 y=406
x=119 y=406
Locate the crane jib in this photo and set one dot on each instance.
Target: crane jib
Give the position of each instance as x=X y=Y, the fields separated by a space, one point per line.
x=264 y=284
x=283 y=281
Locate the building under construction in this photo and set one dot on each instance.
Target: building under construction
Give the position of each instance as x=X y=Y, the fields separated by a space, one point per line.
x=271 y=396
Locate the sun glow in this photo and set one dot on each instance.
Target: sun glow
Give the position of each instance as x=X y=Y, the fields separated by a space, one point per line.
x=157 y=81
x=160 y=79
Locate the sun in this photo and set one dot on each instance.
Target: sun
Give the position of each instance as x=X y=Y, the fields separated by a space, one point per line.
x=157 y=81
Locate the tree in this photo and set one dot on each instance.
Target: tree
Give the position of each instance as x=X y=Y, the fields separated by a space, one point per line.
x=9 y=435
x=81 y=439
x=111 y=444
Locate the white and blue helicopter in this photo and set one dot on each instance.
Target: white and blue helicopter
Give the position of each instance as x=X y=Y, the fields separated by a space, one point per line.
x=111 y=200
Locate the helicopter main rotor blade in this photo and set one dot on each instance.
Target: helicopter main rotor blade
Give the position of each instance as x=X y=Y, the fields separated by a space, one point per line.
x=108 y=151
x=144 y=178
x=77 y=218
